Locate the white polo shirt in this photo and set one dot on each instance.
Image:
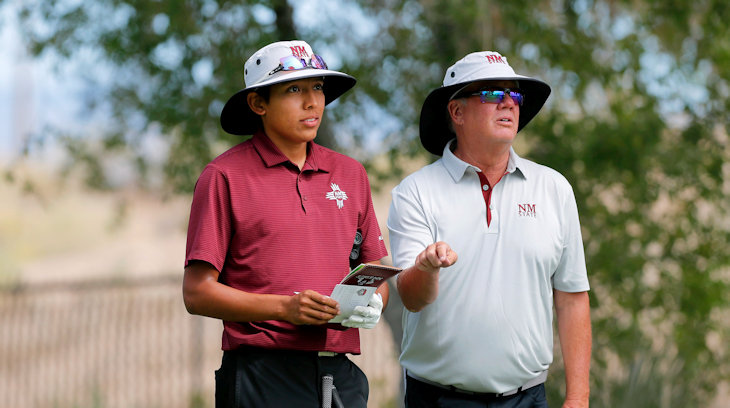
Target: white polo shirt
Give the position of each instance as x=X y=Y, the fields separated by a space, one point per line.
x=490 y=329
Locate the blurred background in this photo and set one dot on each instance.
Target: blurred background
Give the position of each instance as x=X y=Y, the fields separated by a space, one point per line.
x=109 y=109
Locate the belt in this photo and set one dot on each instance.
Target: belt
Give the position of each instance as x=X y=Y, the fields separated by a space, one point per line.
x=532 y=383
x=284 y=352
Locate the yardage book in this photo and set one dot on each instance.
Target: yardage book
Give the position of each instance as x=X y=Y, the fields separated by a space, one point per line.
x=358 y=286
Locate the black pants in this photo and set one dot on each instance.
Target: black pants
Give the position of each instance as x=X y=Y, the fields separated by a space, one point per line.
x=422 y=395
x=254 y=377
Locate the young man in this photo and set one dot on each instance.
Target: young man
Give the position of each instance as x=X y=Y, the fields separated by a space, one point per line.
x=272 y=226
x=479 y=334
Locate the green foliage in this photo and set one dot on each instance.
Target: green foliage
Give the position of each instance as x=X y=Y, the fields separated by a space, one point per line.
x=637 y=121
x=174 y=64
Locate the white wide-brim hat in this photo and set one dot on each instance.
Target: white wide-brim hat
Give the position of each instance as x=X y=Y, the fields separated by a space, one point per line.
x=270 y=65
x=477 y=66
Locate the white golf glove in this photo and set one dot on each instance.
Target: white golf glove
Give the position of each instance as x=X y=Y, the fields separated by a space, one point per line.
x=365 y=317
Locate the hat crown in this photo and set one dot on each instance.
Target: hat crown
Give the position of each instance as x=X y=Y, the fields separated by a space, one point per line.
x=259 y=66
x=482 y=65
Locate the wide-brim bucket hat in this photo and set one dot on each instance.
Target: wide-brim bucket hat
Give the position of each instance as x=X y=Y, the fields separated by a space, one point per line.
x=281 y=61
x=475 y=67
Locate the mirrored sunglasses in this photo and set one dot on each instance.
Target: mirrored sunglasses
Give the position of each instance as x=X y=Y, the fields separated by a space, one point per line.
x=292 y=63
x=497 y=95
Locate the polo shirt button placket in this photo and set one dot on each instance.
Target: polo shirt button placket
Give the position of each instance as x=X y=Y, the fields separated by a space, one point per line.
x=487 y=195
x=494 y=224
x=302 y=194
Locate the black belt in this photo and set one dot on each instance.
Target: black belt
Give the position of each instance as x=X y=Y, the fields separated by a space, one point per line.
x=532 y=383
x=284 y=352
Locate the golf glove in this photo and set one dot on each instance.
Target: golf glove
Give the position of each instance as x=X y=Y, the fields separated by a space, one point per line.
x=365 y=317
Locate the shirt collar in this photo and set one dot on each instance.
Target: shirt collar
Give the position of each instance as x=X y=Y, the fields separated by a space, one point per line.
x=457 y=167
x=272 y=156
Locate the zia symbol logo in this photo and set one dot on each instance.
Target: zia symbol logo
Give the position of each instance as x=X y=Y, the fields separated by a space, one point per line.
x=337 y=194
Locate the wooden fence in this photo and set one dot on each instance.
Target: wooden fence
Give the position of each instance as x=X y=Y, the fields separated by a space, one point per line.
x=130 y=344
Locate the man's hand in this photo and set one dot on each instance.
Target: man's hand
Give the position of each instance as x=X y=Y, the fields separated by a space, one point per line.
x=418 y=285
x=366 y=317
x=310 y=307
x=436 y=256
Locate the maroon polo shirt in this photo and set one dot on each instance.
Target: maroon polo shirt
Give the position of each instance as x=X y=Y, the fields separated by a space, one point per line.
x=270 y=228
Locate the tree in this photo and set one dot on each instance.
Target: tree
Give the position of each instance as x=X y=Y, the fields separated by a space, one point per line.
x=637 y=122
x=172 y=63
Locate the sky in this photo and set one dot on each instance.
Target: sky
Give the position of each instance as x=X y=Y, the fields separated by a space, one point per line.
x=8 y=57
x=14 y=75
x=32 y=95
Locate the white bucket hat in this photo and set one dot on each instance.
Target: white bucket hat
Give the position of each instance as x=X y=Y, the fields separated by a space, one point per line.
x=475 y=67
x=279 y=62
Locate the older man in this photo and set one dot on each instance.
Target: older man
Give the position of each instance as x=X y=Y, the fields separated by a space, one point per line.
x=480 y=332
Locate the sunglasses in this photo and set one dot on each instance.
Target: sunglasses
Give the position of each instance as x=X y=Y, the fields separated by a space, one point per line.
x=292 y=63
x=497 y=95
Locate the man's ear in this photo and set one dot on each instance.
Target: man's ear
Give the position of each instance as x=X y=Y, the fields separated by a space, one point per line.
x=256 y=103
x=456 y=112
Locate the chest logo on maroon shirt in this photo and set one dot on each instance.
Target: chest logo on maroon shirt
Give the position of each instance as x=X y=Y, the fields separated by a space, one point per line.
x=337 y=195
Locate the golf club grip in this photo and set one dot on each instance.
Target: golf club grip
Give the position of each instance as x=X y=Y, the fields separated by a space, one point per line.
x=327 y=386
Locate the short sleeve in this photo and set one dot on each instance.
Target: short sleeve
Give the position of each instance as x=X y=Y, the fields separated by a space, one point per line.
x=408 y=225
x=209 y=228
x=571 y=274
x=373 y=245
